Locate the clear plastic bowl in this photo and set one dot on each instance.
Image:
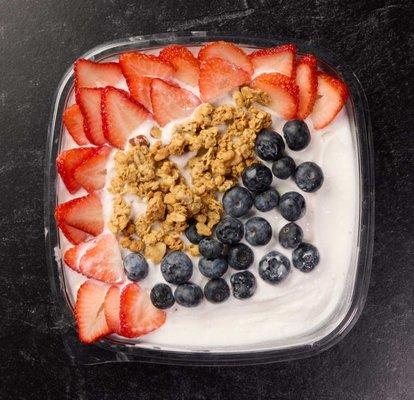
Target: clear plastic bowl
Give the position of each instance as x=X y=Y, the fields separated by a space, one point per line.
x=108 y=350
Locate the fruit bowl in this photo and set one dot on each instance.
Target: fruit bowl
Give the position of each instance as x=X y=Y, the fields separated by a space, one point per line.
x=323 y=337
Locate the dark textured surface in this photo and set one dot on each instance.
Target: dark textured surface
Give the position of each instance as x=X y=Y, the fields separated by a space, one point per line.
x=39 y=39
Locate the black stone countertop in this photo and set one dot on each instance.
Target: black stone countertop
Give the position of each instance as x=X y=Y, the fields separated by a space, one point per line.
x=38 y=41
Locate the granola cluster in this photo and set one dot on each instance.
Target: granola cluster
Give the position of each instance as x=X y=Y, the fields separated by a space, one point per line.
x=222 y=140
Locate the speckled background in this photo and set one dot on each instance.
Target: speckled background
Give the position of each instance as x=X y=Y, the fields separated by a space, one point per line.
x=39 y=39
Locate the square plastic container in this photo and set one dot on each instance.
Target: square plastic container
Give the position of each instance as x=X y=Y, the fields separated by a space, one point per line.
x=108 y=350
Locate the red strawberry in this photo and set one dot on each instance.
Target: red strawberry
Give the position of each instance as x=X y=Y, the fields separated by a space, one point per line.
x=139 y=64
x=68 y=161
x=170 y=102
x=217 y=77
x=102 y=260
x=112 y=307
x=73 y=254
x=75 y=236
x=89 y=313
x=83 y=213
x=137 y=314
x=73 y=120
x=91 y=173
x=140 y=89
x=283 y=93
x=121 y=116
x=228 y=52
x=90 y=104
x=187 y=67
x=95 y=74
x=332 y=95
x=281 y=58
x=307 y=81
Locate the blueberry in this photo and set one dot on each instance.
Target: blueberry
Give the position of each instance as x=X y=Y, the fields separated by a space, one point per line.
x=176 y=267
x=237 y=201
x=290 y=236
x=188 y=295
x=136 y=266
x=258 y=231
x=309 y=176
x=229 y=230
x=296 y=134
x=269 y=145
x=240 y=256
x=284 y=168
x=243 y=284
x=292 y=206
x=192 y=235
x=257 y=177
x=274 y=267
x=210 y=248
x=212 y=268
x=216 y=290
x=267 y=200
x=305 y=257
x=161 y=296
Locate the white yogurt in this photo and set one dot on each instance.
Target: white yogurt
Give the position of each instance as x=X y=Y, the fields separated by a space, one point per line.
x=300 y=310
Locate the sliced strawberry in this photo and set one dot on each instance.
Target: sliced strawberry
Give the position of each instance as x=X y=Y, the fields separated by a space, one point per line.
x=73 y=254
x=121 y=116
x=83 y=213
x=218 y=77
x=140 y=89
x=187 y=67
x=137 y=314
x=307 y=81
x=112 y=307
x=332 y=95
x=91 y=173
x=102 y=260
x=228 y=52
x=171 y=102
x=73 y=120
x=281 y=59
x=283 y=93
x=89 y=312
x=75 y=236
x=135 y=64
x=90 y=104
x=95 y=74
x=68 y=161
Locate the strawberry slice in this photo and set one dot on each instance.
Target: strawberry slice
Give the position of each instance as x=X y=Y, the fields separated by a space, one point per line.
x=121 y=116
x=228 y=52
x=218 y=77
x=283 y=93
x=138 y=69
x=307 y=81
x=83 y=213
x=137 y=314
x=140 y=89
x=75 y=236
x=73 y=254
x=90 y=174
x=281 y=59
x=171 y=102
x=102 y=260
x=90 y=101
x=187 y=67
x=89 y=313
x=68 y=161
x=332 y=95
x=95 y=74
x=112 y=307
x=73 y=120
